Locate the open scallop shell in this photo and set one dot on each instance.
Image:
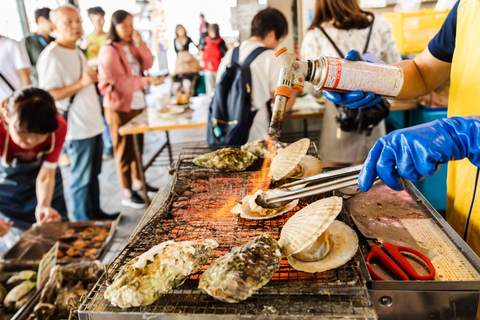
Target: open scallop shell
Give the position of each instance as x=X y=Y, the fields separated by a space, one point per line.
x=288 y=158
x=345 y=245
x=308 y=224
x=247 y=205
x=308 y=166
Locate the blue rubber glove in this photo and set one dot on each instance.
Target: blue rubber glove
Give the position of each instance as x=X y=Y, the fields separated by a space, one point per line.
x=418 y=151
x=355 y=99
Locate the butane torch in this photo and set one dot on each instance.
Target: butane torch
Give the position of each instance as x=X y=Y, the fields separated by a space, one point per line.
x=293 y=75
x=330 y=73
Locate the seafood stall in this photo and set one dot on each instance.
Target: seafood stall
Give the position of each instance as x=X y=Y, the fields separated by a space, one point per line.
x=80 y=245
x=197 y=206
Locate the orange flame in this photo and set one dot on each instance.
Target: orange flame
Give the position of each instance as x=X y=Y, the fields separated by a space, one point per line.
x=260 y=181
x=224 y=211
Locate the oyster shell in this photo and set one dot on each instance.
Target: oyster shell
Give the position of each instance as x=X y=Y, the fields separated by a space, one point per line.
x=344 y=246
x=249 y=209
x=308 y=224
x=145 y=278
x=227 y=159
x=287 y=159
x=245 y=269
x=260 y=147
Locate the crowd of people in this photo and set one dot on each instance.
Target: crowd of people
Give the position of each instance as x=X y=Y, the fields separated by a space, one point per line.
x=85 y=87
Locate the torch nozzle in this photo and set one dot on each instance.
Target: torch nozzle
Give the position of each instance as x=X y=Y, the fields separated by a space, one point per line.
x=278 y=112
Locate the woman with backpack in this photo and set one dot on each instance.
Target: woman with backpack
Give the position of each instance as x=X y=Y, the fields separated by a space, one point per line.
x=121 y=63
x=342 y=25
x=213 y=52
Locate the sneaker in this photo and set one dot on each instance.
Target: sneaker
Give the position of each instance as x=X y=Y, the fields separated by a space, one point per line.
x=151 y=191
x=105 y=216
x=134 y=201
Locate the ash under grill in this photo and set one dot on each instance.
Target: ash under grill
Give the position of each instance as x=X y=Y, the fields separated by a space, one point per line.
x=198 y=207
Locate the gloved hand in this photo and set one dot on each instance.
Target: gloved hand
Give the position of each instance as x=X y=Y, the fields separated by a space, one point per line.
x=418 y=151
x=355 y=99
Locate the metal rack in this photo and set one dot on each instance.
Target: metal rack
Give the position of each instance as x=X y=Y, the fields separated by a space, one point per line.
x=197 y=205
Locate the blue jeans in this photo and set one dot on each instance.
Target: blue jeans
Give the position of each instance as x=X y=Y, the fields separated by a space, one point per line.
x=85 y=166
x=107 y=140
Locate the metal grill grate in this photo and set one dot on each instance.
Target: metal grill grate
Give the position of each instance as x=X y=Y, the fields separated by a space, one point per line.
x=198 y=207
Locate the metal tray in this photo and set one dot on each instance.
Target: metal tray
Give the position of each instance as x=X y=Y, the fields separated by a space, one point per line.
x=28 y=250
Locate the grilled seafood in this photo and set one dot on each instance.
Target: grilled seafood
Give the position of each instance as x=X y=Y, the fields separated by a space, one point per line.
x=227 y=159
x=249 y=209
x=308 y=166
x=313 y=241
x=260 y=147
x=67 y=281
x=245 y=269
x=145 y=278
x=287 y=159
x=17 y=293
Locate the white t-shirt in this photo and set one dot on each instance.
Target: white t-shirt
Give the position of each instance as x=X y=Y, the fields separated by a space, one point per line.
x=13 y=57
x=59 y=67
x=265 y=70
x=138 y=98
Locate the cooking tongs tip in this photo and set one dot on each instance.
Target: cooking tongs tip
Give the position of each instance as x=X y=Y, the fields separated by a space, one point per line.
x=325 y=182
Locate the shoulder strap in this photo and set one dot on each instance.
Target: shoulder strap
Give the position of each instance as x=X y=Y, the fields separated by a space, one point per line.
x=6 y=81
x=340 y=53
x=235 y=54
x=368 y=38
x=255 y=53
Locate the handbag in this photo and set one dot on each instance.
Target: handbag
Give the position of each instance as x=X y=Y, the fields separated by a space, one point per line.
x=360 y=120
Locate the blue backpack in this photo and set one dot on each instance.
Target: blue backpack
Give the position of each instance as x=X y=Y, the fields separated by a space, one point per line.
x=230 y=114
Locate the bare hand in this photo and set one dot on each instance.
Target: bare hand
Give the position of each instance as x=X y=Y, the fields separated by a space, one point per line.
x=85 y=44
x=137 y=38
x=4 y=226
x=154 y=81
x=88 y=77
x=46 y=215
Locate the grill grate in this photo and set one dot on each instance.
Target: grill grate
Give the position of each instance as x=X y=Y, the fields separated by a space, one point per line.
x=198 y=207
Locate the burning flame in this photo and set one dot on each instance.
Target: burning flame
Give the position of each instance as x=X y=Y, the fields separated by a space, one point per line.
x=263 y=181
x=225 y=209
x=260 y=181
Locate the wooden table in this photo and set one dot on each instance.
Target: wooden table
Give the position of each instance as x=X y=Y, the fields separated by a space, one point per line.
x=153 y=120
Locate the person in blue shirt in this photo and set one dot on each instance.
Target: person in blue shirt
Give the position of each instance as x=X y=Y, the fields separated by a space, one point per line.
x=415 y=152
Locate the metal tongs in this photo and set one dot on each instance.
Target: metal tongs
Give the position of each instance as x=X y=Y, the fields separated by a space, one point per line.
x=337 y=179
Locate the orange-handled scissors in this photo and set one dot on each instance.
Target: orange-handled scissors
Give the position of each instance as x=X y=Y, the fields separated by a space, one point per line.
x=396 y=262
x=390 y=255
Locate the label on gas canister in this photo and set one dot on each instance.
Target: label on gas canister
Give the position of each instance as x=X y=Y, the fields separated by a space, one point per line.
x=382 y=79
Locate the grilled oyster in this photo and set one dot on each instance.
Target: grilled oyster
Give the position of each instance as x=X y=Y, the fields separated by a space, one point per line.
x=227 y=159
x=260 y=147
x=166 y=266
x=245 y=269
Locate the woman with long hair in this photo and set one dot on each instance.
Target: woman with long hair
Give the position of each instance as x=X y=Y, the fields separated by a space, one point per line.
x=348 y=27
x=121 y=63
x=31 y=139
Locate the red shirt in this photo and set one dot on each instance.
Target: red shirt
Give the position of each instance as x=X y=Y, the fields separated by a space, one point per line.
x=30 y=155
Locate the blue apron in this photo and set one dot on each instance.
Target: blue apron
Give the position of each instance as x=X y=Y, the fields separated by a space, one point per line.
x=18 y=198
